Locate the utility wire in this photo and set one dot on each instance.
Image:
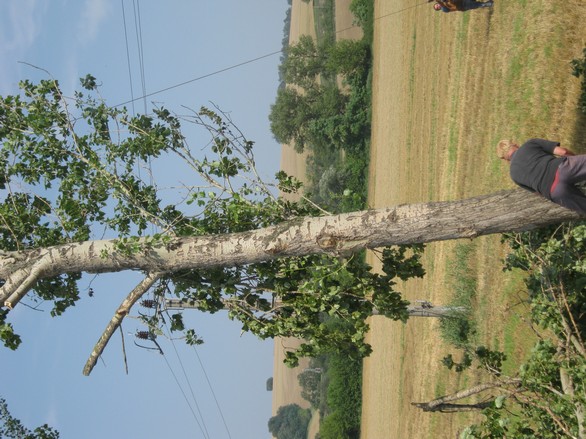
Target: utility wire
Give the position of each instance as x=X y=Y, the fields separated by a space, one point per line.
x=188 y=382
x=199 y=78
x=401 y=10
x=181 y=84
x=386 y=15
x=185 y=397
x=139 y=43
x=128 y=57
x=213 y=393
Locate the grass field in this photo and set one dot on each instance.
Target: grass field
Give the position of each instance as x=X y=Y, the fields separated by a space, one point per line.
x=446 y=88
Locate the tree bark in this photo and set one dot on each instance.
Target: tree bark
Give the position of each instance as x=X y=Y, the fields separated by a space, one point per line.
x=116 y=320
x=446 y=402
x=506 y=211
x=447 y=407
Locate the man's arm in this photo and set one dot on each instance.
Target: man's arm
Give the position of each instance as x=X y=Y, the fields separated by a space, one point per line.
x=562 y=152
x=447 y=4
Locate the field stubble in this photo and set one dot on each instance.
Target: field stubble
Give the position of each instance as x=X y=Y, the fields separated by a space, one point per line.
x=446 y=88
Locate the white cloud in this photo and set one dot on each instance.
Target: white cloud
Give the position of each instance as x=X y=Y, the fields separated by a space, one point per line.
x=51 y=418
x=93 y=14
x=19 y=24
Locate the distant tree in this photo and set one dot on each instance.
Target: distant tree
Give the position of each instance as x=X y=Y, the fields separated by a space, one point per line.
x=347 y=56
x=309 y=380
x=312 y=111
x=290 y=422
x=12 y=428
x=270 y=384
x=290 y=116
x=307 y=118
x=304 y=63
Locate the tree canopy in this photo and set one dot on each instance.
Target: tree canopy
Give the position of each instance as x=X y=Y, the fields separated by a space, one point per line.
x=290 y=422
x=70 y=172
x=78 y=197
x=12 y=428
x=312 y=111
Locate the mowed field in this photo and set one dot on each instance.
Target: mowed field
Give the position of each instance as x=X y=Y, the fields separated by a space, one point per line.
x=446 y=88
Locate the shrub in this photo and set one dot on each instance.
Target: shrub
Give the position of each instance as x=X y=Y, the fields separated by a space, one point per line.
x=290 y=422
x=579 y=69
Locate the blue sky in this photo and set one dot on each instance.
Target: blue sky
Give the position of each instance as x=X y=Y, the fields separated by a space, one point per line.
x=181 y=40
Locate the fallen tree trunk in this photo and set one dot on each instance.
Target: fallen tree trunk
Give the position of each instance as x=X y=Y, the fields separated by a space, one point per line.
x=507 y=211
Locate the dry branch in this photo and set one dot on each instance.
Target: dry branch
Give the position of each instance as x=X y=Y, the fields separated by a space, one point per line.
x=116 y=321
x=447 y=401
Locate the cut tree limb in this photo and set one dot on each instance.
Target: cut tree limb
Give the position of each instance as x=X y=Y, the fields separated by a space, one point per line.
x=439 y=404
x=116 y=321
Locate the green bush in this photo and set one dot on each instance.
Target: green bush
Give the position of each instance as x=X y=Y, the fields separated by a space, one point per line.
x=345 y=390
x=579 y=69
x=332 y=427
x=290 y=422
x=363 y=11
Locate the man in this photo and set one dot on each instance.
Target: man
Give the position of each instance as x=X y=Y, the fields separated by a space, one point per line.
x=543 y=166
x=460 y=5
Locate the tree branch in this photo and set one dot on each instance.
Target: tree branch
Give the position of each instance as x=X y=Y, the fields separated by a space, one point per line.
x=569 y=389
x=20 y=284
x=116 y=321
x=439 y=402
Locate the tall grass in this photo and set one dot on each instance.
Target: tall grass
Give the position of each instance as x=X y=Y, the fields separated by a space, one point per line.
x=460 y=329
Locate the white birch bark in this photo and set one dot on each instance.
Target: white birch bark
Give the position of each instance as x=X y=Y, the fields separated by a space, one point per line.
x=506 y=211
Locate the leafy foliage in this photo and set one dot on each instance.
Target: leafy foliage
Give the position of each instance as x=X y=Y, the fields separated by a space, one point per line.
x=12 y=428
x=579 y=69
x=344 y=398
x=71 y=173
x=290 y=422
x=549 y=402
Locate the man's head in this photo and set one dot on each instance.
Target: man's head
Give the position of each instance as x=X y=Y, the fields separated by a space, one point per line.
x=437 y=6
x=506 y=148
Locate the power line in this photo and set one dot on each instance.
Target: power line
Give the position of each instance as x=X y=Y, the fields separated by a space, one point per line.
x=386 y=15
x=401 y=10
x=139 y=43
x=181 y=84
x=213 y=393
x=128 y=56
x=188 y=382
x=200 y=78
x=185 y=396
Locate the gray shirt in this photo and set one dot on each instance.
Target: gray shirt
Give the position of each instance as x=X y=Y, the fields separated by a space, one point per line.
x=533 y=166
